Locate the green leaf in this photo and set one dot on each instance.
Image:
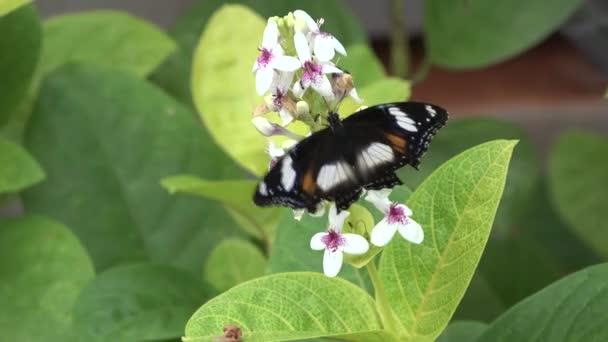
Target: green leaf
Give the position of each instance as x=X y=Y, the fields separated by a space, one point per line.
x=290 y=306
x=291 y=250
x=137 y=302
x=459 y=135
x=43 y=267
x=221 y=62
x=118 y=136
x=236 y=196
x=456 y=207
x=573 y=309
x=20 y=36
x=462 y=331
x=383 y=91
x=363 y=64
x=232 y=262
x=175 y=73
x=475 y=34
x=7 y=6
x=480 y=302
x=577 y=175
x=109 y=38
x=18 y=169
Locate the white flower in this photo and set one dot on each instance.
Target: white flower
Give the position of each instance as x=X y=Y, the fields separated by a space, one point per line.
x=271 y=58
x=265 y=127
x=397 y=218
x=324 y=43
x=335 y=243
x=282 y=103
x=275 y=153
x=314 y=72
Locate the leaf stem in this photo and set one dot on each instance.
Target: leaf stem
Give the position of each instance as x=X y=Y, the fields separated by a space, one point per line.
x=389 y=321
x=400 y=55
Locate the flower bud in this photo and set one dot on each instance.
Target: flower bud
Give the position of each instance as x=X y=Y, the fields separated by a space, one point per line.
x=265 y=127
x=302 y=108
x=300 y=25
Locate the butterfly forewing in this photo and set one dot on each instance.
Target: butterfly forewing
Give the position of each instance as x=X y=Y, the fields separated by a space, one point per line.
x=361 y=152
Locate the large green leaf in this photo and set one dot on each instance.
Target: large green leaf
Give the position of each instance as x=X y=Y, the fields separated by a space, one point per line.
x=233 y=261
x=7 y=6
x=109 y=38
x=573 y=309
x=456 y=207
x=462 y=331
x=236 y=196
x=105 y=139
x=43 y=267
x=137 y=302
x=175 y=73
x=18 y=169
x=578 y=171
x=290 y=306
x=291 y=250
x=459 y=135
x=474 y=34
x=20 y=36
x=222 y=94
x=382 y=91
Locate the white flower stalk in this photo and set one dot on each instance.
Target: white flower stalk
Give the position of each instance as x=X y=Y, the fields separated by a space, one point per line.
x=324 y=44
x=272 y=57
x=334 y=243
x=397 y=218
x=314 y=72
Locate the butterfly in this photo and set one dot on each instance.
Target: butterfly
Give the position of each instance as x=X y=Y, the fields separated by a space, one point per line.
x=360 y=152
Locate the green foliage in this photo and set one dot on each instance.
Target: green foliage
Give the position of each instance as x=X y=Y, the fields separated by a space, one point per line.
x=573 y=309
x=223 y=56
x=363 y=64
x=19 y=170
x=43 y=269
x=232 y=262
x=382 y=91
x=293 y=306
x=456 y=207
x=480 y=301
x=578 y=181
x=236 y=197
x=7 y=6
x=118 y=136
x=109 y=38
x=462 y=331
x=19 y=51
x=475 y=34
x=173 y=74
x=137 y=302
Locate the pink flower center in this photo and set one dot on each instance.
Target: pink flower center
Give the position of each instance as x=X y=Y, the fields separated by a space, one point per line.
x=396 y=215
x=265 y=57
x=333 y=240
x=312 y=71
x=278 y=98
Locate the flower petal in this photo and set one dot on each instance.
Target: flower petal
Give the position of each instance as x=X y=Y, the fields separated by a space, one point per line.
x=263 y=79
x=271 y=34
x=286 y=116
x=379 y=198
x=331 y=69
x=298 y=213
x=324 y=47
x=355 y=96
x=406 y=210
x=302 y=47
x=300 y=87
x=282 y=82
x=323 y=87
x=310 y=22
x=336 y=221
x=383 y=232
x=263 y=126
x=286 y=63
x=412 y=231
x=355 y=244
x=273 y=151
x=332 y=262
x=316 y=242
x=339 y=47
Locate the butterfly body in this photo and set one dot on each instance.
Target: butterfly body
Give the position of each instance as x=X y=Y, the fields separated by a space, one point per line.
x=360 y=152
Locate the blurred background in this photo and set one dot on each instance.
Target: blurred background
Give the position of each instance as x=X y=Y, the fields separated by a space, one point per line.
x=558 y=83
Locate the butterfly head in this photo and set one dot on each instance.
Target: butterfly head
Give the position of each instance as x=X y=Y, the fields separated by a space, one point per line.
x=334 y=121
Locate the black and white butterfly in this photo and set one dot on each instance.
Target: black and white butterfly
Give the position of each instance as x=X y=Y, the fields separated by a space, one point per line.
x=360 y=152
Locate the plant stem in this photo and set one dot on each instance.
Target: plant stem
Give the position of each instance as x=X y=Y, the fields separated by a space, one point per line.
x=387 y=316
x=400 y=56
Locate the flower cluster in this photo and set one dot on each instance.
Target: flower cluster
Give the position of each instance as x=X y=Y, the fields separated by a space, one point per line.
x=296 y=72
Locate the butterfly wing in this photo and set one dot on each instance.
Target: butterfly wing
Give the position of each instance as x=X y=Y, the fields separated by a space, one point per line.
x=389 y=136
